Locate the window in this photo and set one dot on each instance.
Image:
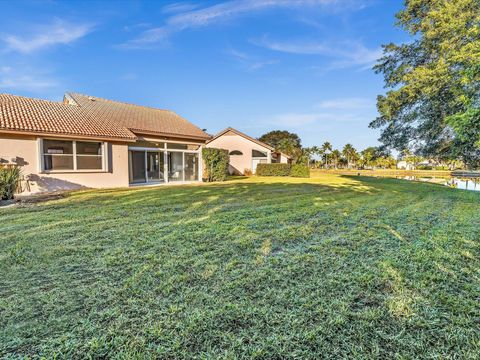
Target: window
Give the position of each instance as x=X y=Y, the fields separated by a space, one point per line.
x=61 y=155
x=175 y=146
x=235 y=152
x=259 y=154
x=89 y=156
x=58 y=155
x=150 y=144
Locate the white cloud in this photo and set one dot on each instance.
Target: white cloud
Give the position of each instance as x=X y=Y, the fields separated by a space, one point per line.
x=261 y=64
x=58 y=32
x=238 y=54
x=298 y=120
x=249 y=62
x=345 y=54
x=346 y=103
x=26 y=83
x=348 y=110
x=195 y=18
x=178 y=7
x=25 y=79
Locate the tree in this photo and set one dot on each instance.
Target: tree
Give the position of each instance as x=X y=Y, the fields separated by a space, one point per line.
x=299 y=155
x=274 y=138
x=350 y=154
x=467 y=143
x=369 y=155
x=286 y=146
x=433 y=81
x=335 y=156
x=326 y=150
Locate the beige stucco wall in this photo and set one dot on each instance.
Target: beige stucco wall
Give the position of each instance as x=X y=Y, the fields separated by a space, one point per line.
x=24 y=149
x=231 y=141
x=283 y=159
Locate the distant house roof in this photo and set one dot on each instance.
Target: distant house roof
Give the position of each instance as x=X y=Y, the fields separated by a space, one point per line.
x=88 y=116
x=235 y=131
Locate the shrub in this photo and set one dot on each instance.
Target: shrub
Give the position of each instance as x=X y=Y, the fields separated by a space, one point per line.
x=9 y=179
x=215 y=164
x=247 y=172
x=273 y=170
x=299 y=170
x=424 y=167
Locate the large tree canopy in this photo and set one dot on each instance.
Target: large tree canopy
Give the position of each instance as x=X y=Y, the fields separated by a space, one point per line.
x=277 y=137
x=432 y=105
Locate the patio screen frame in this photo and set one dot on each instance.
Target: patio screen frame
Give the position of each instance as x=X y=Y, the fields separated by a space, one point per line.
x=164 y=151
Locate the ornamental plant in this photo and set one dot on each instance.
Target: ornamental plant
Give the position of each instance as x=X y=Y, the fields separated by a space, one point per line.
x=215 y=162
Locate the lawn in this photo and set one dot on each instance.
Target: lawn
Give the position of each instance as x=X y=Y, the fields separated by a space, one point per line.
x=330 y=267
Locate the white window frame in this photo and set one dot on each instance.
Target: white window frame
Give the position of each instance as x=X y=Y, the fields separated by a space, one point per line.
x=104 y=148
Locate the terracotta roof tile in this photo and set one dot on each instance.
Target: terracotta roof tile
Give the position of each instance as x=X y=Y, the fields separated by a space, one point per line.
x=91 y=117
x=139 y=119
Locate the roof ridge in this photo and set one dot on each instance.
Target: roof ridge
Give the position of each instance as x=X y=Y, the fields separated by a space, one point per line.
x=32 y=98
x=121 y=102
x=238 y=132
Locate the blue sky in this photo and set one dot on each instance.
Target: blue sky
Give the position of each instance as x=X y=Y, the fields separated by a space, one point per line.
x=256 y=65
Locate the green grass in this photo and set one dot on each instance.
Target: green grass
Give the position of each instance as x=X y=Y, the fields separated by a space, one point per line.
x=264 y=268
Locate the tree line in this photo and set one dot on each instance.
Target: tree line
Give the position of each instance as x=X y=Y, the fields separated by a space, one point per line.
x=325 y=156
x=348 y=157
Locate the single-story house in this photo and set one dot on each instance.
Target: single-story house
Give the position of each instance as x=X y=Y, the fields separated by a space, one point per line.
x=87 y=141
x=245 y=152
x=90 y=142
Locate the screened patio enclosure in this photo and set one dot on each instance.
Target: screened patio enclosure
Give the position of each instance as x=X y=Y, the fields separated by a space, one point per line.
x=163 y=162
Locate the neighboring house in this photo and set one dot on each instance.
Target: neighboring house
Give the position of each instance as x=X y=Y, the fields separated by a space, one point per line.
x=245 y=152
x=404 y=165
x=86 y=141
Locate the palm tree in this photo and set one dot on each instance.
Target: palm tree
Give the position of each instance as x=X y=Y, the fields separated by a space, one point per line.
x=336 y=155
x=326 y=149
x=350 y=153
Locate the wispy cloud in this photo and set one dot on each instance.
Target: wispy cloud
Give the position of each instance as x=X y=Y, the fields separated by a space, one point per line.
x=346 y=104
x=222 y=12
x=179 y=7
x=298 y=120
x=337 y=110
x=27 y=83
x=237 y=54
x=44 y=36
x=249 y=62
x=25 y=80
x=345 y=54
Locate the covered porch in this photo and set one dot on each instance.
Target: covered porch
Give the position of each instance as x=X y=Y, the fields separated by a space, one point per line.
x=156 y=162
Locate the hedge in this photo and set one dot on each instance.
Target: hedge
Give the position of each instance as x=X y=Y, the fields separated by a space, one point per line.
x=295 y=170
x=9 y=178
x=299 y=170
x=273 y=170
x=215 y=164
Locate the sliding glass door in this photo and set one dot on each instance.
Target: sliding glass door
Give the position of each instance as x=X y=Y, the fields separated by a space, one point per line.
x=137 y=167
x=155 y=163
x=191 y=167
x=146 y=166
x=175 y=166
